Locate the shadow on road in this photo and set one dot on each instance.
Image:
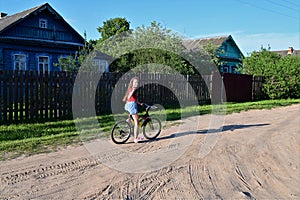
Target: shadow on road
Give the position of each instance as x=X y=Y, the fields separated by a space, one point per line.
x=213 y=131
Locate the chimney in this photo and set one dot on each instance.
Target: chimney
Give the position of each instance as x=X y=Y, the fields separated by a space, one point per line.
x=290 y=51
x=2 y=15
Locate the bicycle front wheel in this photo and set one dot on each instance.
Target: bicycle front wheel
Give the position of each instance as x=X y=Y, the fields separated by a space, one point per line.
x=120 y=132
x=152 y=128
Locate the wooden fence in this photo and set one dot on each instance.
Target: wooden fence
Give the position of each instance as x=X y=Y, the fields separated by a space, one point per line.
x=28 y=95
x=34 y=96
x=257 y=85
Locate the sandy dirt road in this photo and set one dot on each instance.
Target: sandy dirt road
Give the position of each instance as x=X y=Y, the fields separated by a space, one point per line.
x=255 y=155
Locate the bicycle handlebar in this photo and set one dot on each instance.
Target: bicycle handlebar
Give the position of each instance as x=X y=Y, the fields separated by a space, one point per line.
x=148 y=107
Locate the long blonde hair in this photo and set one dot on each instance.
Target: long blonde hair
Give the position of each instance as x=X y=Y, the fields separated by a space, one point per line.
x=129 y=87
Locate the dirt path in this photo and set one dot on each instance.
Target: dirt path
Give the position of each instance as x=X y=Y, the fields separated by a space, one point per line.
x=256 y=155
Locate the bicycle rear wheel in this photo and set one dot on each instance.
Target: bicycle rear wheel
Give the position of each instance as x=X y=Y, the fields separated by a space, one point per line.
x=152 y=128
x=120 y=132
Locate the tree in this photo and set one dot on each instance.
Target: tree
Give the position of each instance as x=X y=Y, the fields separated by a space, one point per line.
x=282 y=74
x=148 y=49
x=212 y=50
x=261 y=63
x=113 y=27
x=84 y=56
x=73 y=62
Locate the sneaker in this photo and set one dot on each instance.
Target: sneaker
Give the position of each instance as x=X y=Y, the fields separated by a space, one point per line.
x=140 y=138
x=136 y=140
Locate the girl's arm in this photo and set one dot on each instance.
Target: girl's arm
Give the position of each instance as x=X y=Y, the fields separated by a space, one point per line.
x=139 y=103
x=130 y=94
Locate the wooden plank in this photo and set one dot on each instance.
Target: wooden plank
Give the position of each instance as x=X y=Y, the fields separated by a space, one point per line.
x=72 y=80
x=4 y=101
x=15 y=95
x=60 y=95
x=97 y=97
x=10 y=97
x=26 y=86
x=64 y=94
x=31 y=91
x=41 y=100
x=5 y=96
x=51 y=99
x=46 y=96
x=21 y=96
x=68 y=93
x=56 y=95
x=36 y=95
x=1 y=94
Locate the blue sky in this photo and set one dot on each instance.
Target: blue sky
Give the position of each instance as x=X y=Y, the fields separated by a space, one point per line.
x=252 y=23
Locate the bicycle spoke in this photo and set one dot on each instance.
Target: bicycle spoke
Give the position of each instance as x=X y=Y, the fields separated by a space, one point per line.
x=121 y=132
x=152 y=129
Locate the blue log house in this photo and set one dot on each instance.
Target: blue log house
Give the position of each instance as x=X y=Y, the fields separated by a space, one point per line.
x=228 y=53
x=35 y=39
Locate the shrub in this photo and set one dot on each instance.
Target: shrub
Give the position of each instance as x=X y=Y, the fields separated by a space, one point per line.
x=282 y=74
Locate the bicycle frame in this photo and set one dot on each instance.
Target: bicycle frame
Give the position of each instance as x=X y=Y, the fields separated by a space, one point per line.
x=145 y=118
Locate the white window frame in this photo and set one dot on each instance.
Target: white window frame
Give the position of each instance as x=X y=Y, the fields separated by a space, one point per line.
x=234 y=69
x=18 y=62
x=100 y=64
x=43 y=23
x=225 y=69
x=42 y=64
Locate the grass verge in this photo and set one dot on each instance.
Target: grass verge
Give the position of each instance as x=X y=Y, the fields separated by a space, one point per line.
x=28 y=139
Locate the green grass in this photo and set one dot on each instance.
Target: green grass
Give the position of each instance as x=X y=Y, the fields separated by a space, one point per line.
x=227 y=108
x=32 y=138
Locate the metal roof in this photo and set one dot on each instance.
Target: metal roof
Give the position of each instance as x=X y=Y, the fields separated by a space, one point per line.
x=193 y=44
x=10 y=20
x=285 y=52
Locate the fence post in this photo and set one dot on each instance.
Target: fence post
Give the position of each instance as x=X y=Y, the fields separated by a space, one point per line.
x=187 y=88
x=1 y=96
x=1 y=101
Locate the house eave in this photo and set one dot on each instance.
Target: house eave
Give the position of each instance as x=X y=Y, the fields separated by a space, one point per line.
x=38 y=41
x=229 y=58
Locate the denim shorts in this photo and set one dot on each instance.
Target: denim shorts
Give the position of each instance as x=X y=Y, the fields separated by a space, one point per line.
x=131 y=107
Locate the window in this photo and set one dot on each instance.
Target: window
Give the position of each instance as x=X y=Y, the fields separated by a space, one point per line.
x=225 y=69
x=234 y=69
x=43 y=23
x=225 y=47
x=43 y=63
x=19 y=62
x=100 y=64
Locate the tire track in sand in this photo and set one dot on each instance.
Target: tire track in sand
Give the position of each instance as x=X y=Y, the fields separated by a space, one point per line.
x=27 y=177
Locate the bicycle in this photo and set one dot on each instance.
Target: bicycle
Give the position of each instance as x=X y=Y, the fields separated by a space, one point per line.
x=122 y=130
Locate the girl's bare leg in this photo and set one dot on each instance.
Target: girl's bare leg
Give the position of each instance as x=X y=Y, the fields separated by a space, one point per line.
x=136 y=125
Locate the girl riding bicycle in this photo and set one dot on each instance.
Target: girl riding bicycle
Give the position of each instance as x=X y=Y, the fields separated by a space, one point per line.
x=131 y=99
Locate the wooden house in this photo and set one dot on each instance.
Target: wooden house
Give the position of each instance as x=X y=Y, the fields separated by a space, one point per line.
x=289 y=51
x=35 y=39
x=228 y=53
